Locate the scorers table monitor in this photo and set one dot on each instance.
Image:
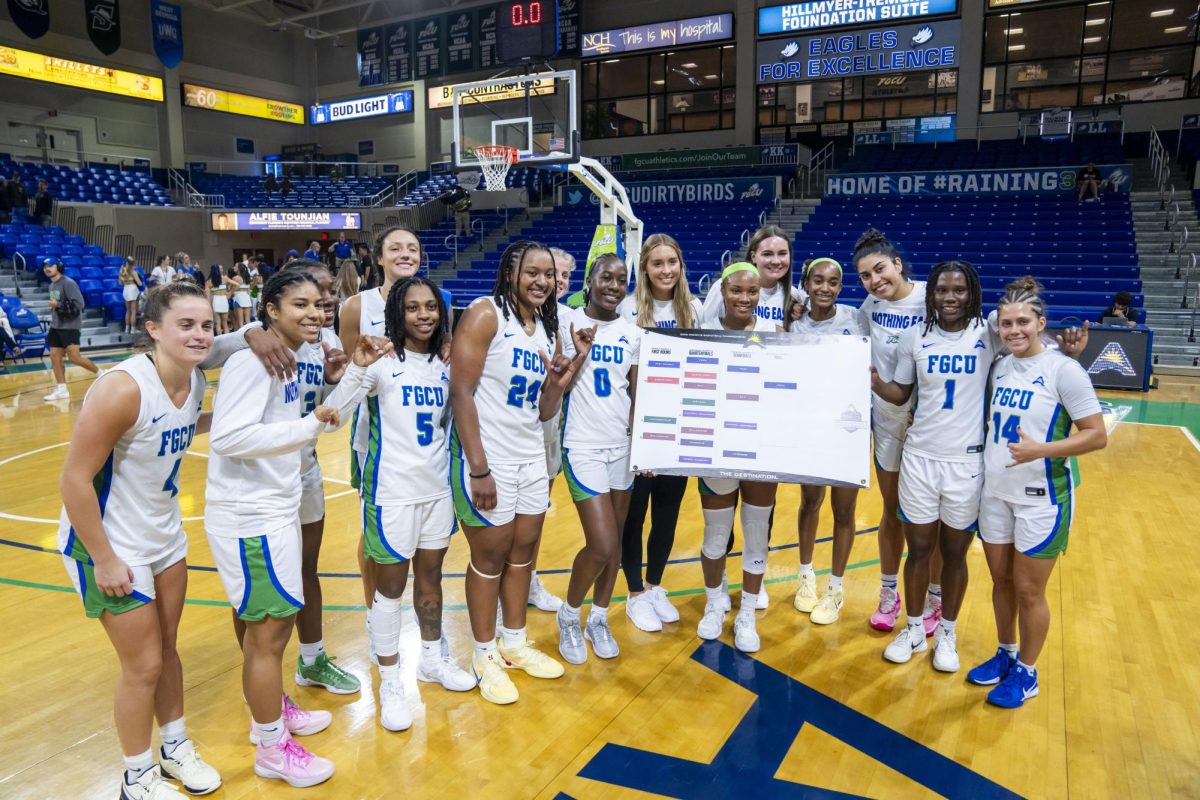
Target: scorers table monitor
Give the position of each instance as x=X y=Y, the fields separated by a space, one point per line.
x=527 y=30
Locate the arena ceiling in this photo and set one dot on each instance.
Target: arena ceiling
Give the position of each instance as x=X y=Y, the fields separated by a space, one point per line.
x=324 y=19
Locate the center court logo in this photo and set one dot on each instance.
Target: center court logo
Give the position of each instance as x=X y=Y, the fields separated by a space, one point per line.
x=1112 y=359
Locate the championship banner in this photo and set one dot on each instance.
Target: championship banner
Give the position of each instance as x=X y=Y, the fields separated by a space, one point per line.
x=286 y=221
x=742 y=406
x=370 y=57
x=166 y=24
x=31 y=16
x=104 y=24
x=1022 y=181
x=80 y=74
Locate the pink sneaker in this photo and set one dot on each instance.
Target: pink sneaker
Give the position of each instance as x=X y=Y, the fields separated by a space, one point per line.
x=932 y=615
x=289 y=761
x=298 y=721
x=884 y=618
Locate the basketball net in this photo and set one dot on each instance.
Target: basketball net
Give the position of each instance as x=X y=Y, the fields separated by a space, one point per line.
x=494 y=161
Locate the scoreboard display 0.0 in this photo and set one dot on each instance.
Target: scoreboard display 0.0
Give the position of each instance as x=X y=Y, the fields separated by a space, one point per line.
x=527 y=29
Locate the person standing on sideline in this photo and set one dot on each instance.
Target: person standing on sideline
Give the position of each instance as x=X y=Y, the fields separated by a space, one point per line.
x=131 y=290
x=343 y=252
x=122 y=538
x=66 y=321
x=163 y=273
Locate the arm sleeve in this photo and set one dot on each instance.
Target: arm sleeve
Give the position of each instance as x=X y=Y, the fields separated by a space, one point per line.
x=906 y=370
x=225 y=345
x=1075 y=391
x=237 y=428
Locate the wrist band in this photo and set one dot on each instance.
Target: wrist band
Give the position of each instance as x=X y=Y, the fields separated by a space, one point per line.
x=480 y=477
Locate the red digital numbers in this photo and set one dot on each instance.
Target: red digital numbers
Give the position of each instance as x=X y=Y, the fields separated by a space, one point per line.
x=526 y=13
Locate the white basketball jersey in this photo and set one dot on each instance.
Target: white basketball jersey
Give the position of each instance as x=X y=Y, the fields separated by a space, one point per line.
x=138 y=486
x=664 y=312
x=846 y=321
x=370 y=323
x=770 y=302
x=310 y=373
x=407 y=411
x=887 y=320
x=596 y=410
x=950 y=371
x=506 y=398
x=1042 y=395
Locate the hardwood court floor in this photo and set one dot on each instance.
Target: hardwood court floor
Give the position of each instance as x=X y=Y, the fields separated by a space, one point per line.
x=1115 y=718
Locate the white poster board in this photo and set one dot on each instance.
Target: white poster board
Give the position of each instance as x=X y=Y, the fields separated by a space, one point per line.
x=775 y=407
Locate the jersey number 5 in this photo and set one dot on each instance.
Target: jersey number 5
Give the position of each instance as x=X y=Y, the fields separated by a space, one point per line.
x=424 y=429
x=521 y=388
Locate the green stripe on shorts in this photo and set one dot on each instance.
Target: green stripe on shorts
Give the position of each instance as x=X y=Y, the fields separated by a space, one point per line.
x=374 y=547
x=262 y=594
x=579 y=492
x=96 y=602
x=1055 y=544
x=463 y=508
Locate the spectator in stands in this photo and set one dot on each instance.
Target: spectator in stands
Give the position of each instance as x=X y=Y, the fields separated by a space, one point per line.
x=314 y=252
x=291 y=256
x=131 y=291
x=286 y=186
x=163 y=273
x=17 y=199
x=1121 y=310
x=336 y=174
x=66 y=321
x=343 y=251
x=271 y=185
x=5 y=203
x=43 y=205
x=1089 y=178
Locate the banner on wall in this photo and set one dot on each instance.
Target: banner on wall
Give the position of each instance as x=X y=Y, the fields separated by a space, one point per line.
x=166 y=24
x=286 y=221
x=103 y=20
x=31 y=16
x=430 y=46
x=1036 y=180
x=697 y=30
x=397 y=53
x=903 y=48
x=695 y=159
x=817 y=14
x=461 y=47
x=81 y=75
x=570 y=17
x=370 y=57
x=485 y=36
x=686 y=192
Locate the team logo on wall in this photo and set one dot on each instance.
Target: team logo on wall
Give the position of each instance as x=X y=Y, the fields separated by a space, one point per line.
x=31 y=16
x=922 y=36
x=104 y=24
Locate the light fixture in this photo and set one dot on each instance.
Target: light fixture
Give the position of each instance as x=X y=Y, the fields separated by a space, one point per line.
x=1162 y=12
x=1015 y=31
x=610 y=61
x=1093 y=39
x=1096 y=22
x=1176 y=29
x=711 y=77
x=658 y=83
x=727 y=47
x=1016 y=47
x=689 y=65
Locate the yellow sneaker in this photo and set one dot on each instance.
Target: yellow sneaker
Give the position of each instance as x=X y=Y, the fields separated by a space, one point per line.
x=534 y=662
x=806 y=593
x=495 y=686
x=828 y=607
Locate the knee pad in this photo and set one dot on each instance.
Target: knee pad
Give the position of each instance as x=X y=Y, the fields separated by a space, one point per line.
x=756 y=530
x=718 y=526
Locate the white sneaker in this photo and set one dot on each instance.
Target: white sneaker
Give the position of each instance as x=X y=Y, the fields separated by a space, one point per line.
x=150 y=785
x=663 y=607
x=570 y=638
x=184 y=765
x=442 y=669
x=712 y=624
x=745 y=634
x=763 y=600
x=59 y=393
x=828 y=608
x=806 y=593
x=394 y=713
x=945 y=652
x=901 y=650
x=726 y=602
x=641 y=612
x=540 y=598
x=597 y=632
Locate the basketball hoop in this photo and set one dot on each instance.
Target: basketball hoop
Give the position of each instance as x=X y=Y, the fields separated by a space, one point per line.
x=494 y=160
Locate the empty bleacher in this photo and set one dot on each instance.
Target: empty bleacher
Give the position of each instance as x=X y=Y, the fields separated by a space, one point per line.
x=246 y=191
x=997 y=154
x=94 y=183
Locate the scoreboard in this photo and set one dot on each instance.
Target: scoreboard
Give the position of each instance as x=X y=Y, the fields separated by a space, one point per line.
x=527 y=30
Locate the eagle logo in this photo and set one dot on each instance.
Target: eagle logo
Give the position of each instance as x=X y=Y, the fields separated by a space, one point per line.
x=922 y=36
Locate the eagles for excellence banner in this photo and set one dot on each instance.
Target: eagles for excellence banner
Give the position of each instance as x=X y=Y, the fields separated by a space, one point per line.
x=166 y=23
x=103 y=20
x=31 y=16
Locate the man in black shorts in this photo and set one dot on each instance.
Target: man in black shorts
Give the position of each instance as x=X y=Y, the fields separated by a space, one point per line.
x=1089 y=178
x=66 y=321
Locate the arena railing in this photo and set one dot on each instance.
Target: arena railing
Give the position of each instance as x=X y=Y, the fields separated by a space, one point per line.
x=18 y=270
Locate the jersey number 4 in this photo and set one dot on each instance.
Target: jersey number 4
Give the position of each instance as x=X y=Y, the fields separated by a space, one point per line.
x=520 y=391
x=170 y=485
x=1006 y=428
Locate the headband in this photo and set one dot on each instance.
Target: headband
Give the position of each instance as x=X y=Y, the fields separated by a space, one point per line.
x=739 y=266
x=822 y=260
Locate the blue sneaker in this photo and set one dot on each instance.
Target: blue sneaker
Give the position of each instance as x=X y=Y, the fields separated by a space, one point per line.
x=994 y=670
x=1019 y=686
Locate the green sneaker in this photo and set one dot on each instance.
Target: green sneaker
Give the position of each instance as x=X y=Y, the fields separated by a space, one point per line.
x=327 y=674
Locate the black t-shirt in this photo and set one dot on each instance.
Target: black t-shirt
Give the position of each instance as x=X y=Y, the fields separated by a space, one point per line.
x=1131 y=314
x=1089 y=174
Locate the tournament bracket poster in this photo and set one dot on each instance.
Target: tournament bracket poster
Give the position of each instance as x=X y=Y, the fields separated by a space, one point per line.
x=774 y=407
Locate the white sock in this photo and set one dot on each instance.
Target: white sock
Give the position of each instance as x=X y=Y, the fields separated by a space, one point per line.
x=389 y=672
x=835 y=583
x=570 y=613
x=1011 y=649
x=889 y=581
x=513 y=637
x=484 y=648
x=935 y=590
x=916 y=625
x=946 y=626
x=431 y=651
x=384 y=625
x=1030 y=668
x=598 y=613
x=271 y=733
x=807 y=569
x=136 y=766
x=749 y=601
x=62 y=387
x=173 y=734
x=311 y=651
x=713 y=595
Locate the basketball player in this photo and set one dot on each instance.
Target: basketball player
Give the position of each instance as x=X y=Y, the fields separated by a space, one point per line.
x=507 y=372
x=252 y=521
x=943 y=365
x=822 y=281
x=1028 y=490
x=719 y=496
x=770 y=250
x=660 y=299
x=121 y=532
x=595 y=435
x=407 y=511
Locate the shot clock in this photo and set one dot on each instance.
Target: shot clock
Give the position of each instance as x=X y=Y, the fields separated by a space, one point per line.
x=527 y=30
